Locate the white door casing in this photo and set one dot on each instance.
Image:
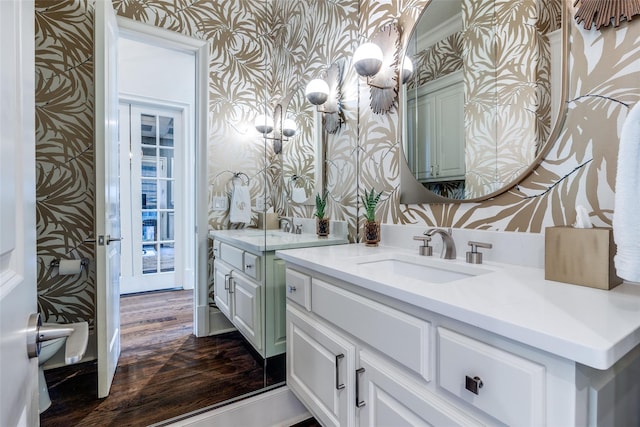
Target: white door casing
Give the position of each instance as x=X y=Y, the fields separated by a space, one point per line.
x=18 y=373
x=107 y=194
x=195 y=157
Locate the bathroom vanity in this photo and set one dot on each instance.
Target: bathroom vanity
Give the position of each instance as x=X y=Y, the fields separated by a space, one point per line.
x=249 y=282
x=383 y=336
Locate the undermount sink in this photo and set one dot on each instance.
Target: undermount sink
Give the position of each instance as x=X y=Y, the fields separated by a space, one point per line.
x=428 y=270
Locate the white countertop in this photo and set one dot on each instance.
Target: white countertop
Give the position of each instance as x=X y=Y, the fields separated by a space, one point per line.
x=256 y=240
x=591 y=326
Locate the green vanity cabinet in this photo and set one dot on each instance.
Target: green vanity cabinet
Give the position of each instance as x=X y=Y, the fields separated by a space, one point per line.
x=249 y=282
x=250 y=291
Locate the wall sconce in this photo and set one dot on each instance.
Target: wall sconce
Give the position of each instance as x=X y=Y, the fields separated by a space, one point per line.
x=377 y=60
x=286 y=129
x=326 y=95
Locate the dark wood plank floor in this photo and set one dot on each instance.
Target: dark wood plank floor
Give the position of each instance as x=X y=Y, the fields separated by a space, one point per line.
x=164 y=370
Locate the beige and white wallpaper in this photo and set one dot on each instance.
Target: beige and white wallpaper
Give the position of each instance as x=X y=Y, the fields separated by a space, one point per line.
x=285 y=43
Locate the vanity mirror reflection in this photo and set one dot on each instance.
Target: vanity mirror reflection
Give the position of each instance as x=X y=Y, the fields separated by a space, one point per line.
x=485 y=97
x=302 y=158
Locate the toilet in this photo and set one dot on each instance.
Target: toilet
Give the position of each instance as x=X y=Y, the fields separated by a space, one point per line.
x=73 y=337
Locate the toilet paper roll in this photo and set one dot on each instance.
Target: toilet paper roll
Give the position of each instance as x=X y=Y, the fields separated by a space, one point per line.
x=69 y=266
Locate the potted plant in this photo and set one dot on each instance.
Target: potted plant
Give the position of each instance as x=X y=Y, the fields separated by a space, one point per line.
x=322 y=223
x=371 y=226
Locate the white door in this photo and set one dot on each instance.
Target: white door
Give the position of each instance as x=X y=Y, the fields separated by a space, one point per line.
x=18 y=373
x=152 y=146
x=107 y=195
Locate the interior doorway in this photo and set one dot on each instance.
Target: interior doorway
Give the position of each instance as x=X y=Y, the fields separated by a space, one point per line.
x=152 y=142
x=157 y=91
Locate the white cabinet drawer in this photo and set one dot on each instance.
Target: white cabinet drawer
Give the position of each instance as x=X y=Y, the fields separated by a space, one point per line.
x=398 y=335
x=252 y=265
x=512 y=387
x=298 y=288
x=232 y=255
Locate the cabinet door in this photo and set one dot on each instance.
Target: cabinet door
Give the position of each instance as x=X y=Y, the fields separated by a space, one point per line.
x=246 y=311
x=388 y=397
x=222 y=281
x=320 y=369
x=449 y=138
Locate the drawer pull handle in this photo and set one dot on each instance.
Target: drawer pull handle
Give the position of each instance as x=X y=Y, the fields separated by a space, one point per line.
x=359 y=403
x=292 y=289
x=338 y=385
x=248 y=266
x=226 y=281
x=473 y=384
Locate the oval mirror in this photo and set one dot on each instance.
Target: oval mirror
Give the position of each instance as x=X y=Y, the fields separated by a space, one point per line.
x=484 y=99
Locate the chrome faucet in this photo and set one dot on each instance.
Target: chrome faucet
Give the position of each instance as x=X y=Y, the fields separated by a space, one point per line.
x=288 y=225
x=448 y=245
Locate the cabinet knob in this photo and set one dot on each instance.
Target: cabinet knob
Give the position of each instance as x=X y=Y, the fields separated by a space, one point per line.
x=248 y=266
x=473 y=384
x=292 y=289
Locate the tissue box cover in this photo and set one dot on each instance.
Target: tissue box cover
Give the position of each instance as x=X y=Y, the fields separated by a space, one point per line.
x=581 y=256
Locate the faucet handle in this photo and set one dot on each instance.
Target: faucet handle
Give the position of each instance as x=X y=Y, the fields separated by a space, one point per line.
x=425 y=249
x=475 y=257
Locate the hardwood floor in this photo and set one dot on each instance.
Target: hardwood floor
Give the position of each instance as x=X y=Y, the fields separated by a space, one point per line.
x=164 y=370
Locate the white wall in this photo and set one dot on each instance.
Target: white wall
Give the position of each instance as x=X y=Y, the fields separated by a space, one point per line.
x=156 y=72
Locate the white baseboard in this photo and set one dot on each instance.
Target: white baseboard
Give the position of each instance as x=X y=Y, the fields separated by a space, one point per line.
x=276 y=408
x=218 y=322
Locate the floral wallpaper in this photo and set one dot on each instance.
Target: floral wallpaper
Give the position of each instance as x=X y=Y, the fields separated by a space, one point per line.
x=64 y=156
x=247 y=50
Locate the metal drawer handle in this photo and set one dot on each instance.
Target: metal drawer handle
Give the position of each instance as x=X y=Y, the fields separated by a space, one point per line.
x=226 y=281
x=359 y=403
x=338 y=385
x=292 y=289
x=473 y=384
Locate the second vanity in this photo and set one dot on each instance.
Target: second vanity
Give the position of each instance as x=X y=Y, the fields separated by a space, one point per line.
x=383 y=336
x=249 y=282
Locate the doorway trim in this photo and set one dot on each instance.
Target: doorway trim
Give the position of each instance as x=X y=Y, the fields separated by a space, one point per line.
x=200 y=48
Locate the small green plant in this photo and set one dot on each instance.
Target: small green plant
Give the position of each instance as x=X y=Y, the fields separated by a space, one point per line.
x=370 y=200
x=321 y=204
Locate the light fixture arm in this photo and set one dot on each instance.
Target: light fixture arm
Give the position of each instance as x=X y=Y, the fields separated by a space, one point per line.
x=285 y=128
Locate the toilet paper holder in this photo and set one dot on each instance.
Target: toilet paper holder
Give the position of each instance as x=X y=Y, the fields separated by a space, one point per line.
x=55 y=263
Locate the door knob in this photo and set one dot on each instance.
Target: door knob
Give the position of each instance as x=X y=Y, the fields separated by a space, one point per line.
x=36 y=334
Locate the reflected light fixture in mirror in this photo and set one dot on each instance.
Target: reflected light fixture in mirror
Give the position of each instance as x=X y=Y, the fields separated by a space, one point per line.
x=377 y=60
x=286 y=129
x=407 y=70
x=326 y=95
